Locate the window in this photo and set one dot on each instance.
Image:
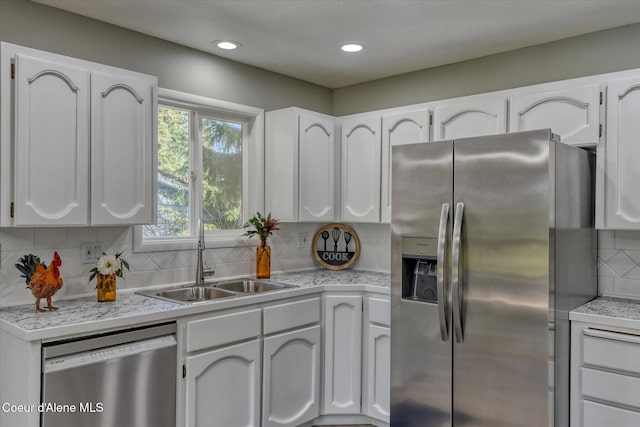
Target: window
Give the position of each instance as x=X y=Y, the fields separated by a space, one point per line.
x=205 y=149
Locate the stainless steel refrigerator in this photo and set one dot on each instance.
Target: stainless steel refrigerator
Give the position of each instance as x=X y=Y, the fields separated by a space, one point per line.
x=492 y=244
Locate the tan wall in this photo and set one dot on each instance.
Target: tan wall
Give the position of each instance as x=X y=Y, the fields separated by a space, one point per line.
x=595 y=53
x=179 y=68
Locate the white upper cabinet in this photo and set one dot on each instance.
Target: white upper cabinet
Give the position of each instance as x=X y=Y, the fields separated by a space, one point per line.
x=300 y=165
x=316 y=168
x=620 y=206
x=471 y=116
x=400 y=128
x=573 y=113
x=77 y=142
x=123 y=124
x=51 y=143
x=361 y=150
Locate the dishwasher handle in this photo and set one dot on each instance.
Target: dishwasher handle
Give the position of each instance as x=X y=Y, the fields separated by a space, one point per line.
x=102 y=354
x=110 y=339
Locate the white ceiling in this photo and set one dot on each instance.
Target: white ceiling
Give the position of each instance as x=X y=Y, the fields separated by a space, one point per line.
x=300 y=38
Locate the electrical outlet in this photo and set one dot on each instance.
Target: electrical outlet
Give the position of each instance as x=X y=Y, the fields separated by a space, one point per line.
x=91 y=251
x=87 y=253
x=303 y=240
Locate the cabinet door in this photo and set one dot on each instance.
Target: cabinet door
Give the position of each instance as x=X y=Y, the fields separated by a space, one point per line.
x=281 y=180
x=361 y=147
x=403 y=128
x=51 y=143
x=378 y=365
x=223 y=387
x=291 y=379
x=316 y=169
x=621 y=157
x=572 y=113
x=123 y=112
x=342 y=354
x=473 y=117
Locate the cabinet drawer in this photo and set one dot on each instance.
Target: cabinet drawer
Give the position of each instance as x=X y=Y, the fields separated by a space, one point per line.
x=596 y=415
x=611 y=387
x=613 y=350
x=224 y=329
x=291 y=315
x=380 y=311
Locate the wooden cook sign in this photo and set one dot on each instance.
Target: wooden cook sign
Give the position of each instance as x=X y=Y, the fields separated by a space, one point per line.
x=335 y=246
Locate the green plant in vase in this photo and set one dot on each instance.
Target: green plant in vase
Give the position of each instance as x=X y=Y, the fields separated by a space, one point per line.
x=263 y=227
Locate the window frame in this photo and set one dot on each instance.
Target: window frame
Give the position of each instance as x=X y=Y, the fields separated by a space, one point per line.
x=252 y=164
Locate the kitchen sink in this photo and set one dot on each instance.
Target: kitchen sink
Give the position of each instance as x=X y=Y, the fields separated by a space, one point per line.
x=248 y=286
x=214 y=291
x=191 y=294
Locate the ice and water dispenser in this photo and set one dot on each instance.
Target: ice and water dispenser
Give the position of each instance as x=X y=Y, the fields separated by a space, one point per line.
x=419 y=269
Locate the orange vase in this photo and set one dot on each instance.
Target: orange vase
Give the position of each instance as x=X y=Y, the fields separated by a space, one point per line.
x=106 y=287
x=263 y=261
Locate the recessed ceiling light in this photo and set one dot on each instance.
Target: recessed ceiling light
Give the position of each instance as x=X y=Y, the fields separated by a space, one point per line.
x=227 y=44
x=352 y=47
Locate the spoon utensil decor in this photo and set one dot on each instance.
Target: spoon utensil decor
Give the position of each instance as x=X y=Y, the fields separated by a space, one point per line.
x=336 y=237
x=325 y=236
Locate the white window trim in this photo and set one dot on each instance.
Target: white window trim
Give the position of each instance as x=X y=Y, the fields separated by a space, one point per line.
x=254 y=162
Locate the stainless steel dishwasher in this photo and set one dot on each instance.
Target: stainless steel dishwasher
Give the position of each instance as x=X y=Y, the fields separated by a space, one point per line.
x=124 y=379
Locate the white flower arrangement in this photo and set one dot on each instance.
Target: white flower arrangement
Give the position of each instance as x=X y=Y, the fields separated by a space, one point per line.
x=109 y=264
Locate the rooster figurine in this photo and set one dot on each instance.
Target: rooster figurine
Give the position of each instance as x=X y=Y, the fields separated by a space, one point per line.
x=43 y=281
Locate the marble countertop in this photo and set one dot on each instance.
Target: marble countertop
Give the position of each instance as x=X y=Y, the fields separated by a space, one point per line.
x=306 y=279
x=86 y=315
x=620 y=312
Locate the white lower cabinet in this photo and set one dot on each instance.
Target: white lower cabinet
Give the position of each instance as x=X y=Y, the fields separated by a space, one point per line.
x=221 y=369
x=291 y=385
x=223 y=386
x=291 y=363
x=605 y=376
x=342 y=354
x=378 y=380
x=263 y=366
x=256 y=367
x=376 y=383
x=357 y=367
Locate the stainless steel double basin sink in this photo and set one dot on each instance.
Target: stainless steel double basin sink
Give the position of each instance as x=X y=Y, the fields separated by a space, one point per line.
x=213 y=291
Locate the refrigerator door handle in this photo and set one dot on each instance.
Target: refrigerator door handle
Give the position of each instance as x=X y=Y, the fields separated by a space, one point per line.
x=440 y=272
x=455 y=272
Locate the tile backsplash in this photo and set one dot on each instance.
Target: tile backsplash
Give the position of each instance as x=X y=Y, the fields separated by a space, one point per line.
x=167 y=267
x=618 y=258
x=619 y=263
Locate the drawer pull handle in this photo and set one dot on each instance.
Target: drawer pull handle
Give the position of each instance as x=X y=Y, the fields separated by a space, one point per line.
x=617 y=336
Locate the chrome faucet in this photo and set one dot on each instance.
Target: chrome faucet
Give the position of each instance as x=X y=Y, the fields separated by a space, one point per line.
x=201 y=272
